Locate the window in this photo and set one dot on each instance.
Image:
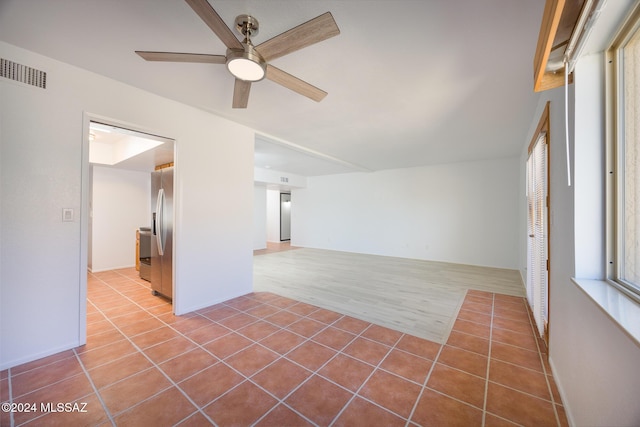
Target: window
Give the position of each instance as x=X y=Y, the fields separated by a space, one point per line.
x=624 y=159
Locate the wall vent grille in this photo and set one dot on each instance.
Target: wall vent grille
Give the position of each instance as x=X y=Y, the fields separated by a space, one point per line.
x=22 y=73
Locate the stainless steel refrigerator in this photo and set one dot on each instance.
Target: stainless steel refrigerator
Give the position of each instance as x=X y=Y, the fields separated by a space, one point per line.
x=162 y=232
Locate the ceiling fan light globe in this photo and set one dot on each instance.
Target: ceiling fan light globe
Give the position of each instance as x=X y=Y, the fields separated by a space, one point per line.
x=246 y=69
x=246 y=64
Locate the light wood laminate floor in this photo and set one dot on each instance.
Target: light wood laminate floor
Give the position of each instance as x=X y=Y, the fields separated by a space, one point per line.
x=421 y=298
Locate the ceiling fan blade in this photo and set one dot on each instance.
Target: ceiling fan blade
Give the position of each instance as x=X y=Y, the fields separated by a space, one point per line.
x=241 y=93
x=316 y=30
x=295 y=84
x=182 y=57
x=213 y=20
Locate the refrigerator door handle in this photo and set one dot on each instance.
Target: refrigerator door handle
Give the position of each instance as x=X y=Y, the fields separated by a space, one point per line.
x=159 y=222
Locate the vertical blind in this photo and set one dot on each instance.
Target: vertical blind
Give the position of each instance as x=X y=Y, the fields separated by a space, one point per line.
x=537 y=273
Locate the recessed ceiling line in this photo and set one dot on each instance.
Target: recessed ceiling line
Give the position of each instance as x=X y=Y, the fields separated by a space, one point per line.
x=309 y=151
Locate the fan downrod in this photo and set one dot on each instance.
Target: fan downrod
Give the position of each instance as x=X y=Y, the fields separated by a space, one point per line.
x=247 y=25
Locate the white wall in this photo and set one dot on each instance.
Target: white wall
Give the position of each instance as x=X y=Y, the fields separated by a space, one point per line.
x=461 y=213
x=121 y=204
x=594 y=362
x=259 y=217
x=43 y=260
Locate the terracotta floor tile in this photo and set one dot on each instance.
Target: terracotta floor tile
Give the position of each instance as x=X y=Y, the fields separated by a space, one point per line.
x=242 y=406
x=187 y=364
x=258 y=330
x=131 y=318
x=100 y=327
x=252 y=359
x=303 y=309
x=367 y=350
x=57 y=357
x=168 y=349
x=419 y=346
x=319 y=400
x=520 y=316
x=281 y=377
x=154 y=337
x=516 y=304
x=238 y=321
x=391 y=392
x=508 y=298
x=306 y=327
x=554 y=389
x=464 y=360
x=525 y=380
x=562 y=415
x=165 y=409
x=351 y=324
x=435 y=409
x=66 y=390
x=346 y=371
x=227 y=345
x=283 y=416
x=474 y=316
x=469 y=342
x=99 y=340
x=264 y=297
x=382 y=335
x=4 y=390
x=134 y=389
x=94 y=415
x=516 y=355
x=94 y=358
x=362 y=413
x=121 y=368
x=207 y=385
x=311 y=355
x=514 y=338
x=495 y=421
x=457 y=384
x=478 y=308
x=121 y=310
x=407 y=365
x=243 y=303
x=519 y=407
x=477 y=329
x=262 y=311
x=220 y=313
x=44 y=376
x=283 y=318
x=282 y=342
x=282 y=302
x=207 y=333
x=195 y=420
x=334 y=338
x=325 y=316
x=512 y=325
x=191 y=324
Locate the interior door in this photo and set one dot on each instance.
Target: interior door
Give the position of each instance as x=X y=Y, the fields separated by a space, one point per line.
x=538 y=228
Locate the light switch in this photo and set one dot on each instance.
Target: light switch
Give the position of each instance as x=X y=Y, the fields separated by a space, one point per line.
x=67 y=215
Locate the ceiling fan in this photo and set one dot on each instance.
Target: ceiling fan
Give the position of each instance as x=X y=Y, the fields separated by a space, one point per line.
x=249 y=63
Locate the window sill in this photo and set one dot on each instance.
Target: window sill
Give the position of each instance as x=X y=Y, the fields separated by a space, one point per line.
x=618 y=306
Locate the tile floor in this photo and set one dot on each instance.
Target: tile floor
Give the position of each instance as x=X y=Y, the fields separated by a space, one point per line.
x=265 y=360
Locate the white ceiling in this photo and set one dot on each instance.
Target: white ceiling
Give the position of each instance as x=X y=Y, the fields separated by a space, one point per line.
x=410 y=82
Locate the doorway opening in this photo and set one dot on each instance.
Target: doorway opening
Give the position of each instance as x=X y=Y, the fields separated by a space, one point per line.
x=285 y=217
x=118 y=215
